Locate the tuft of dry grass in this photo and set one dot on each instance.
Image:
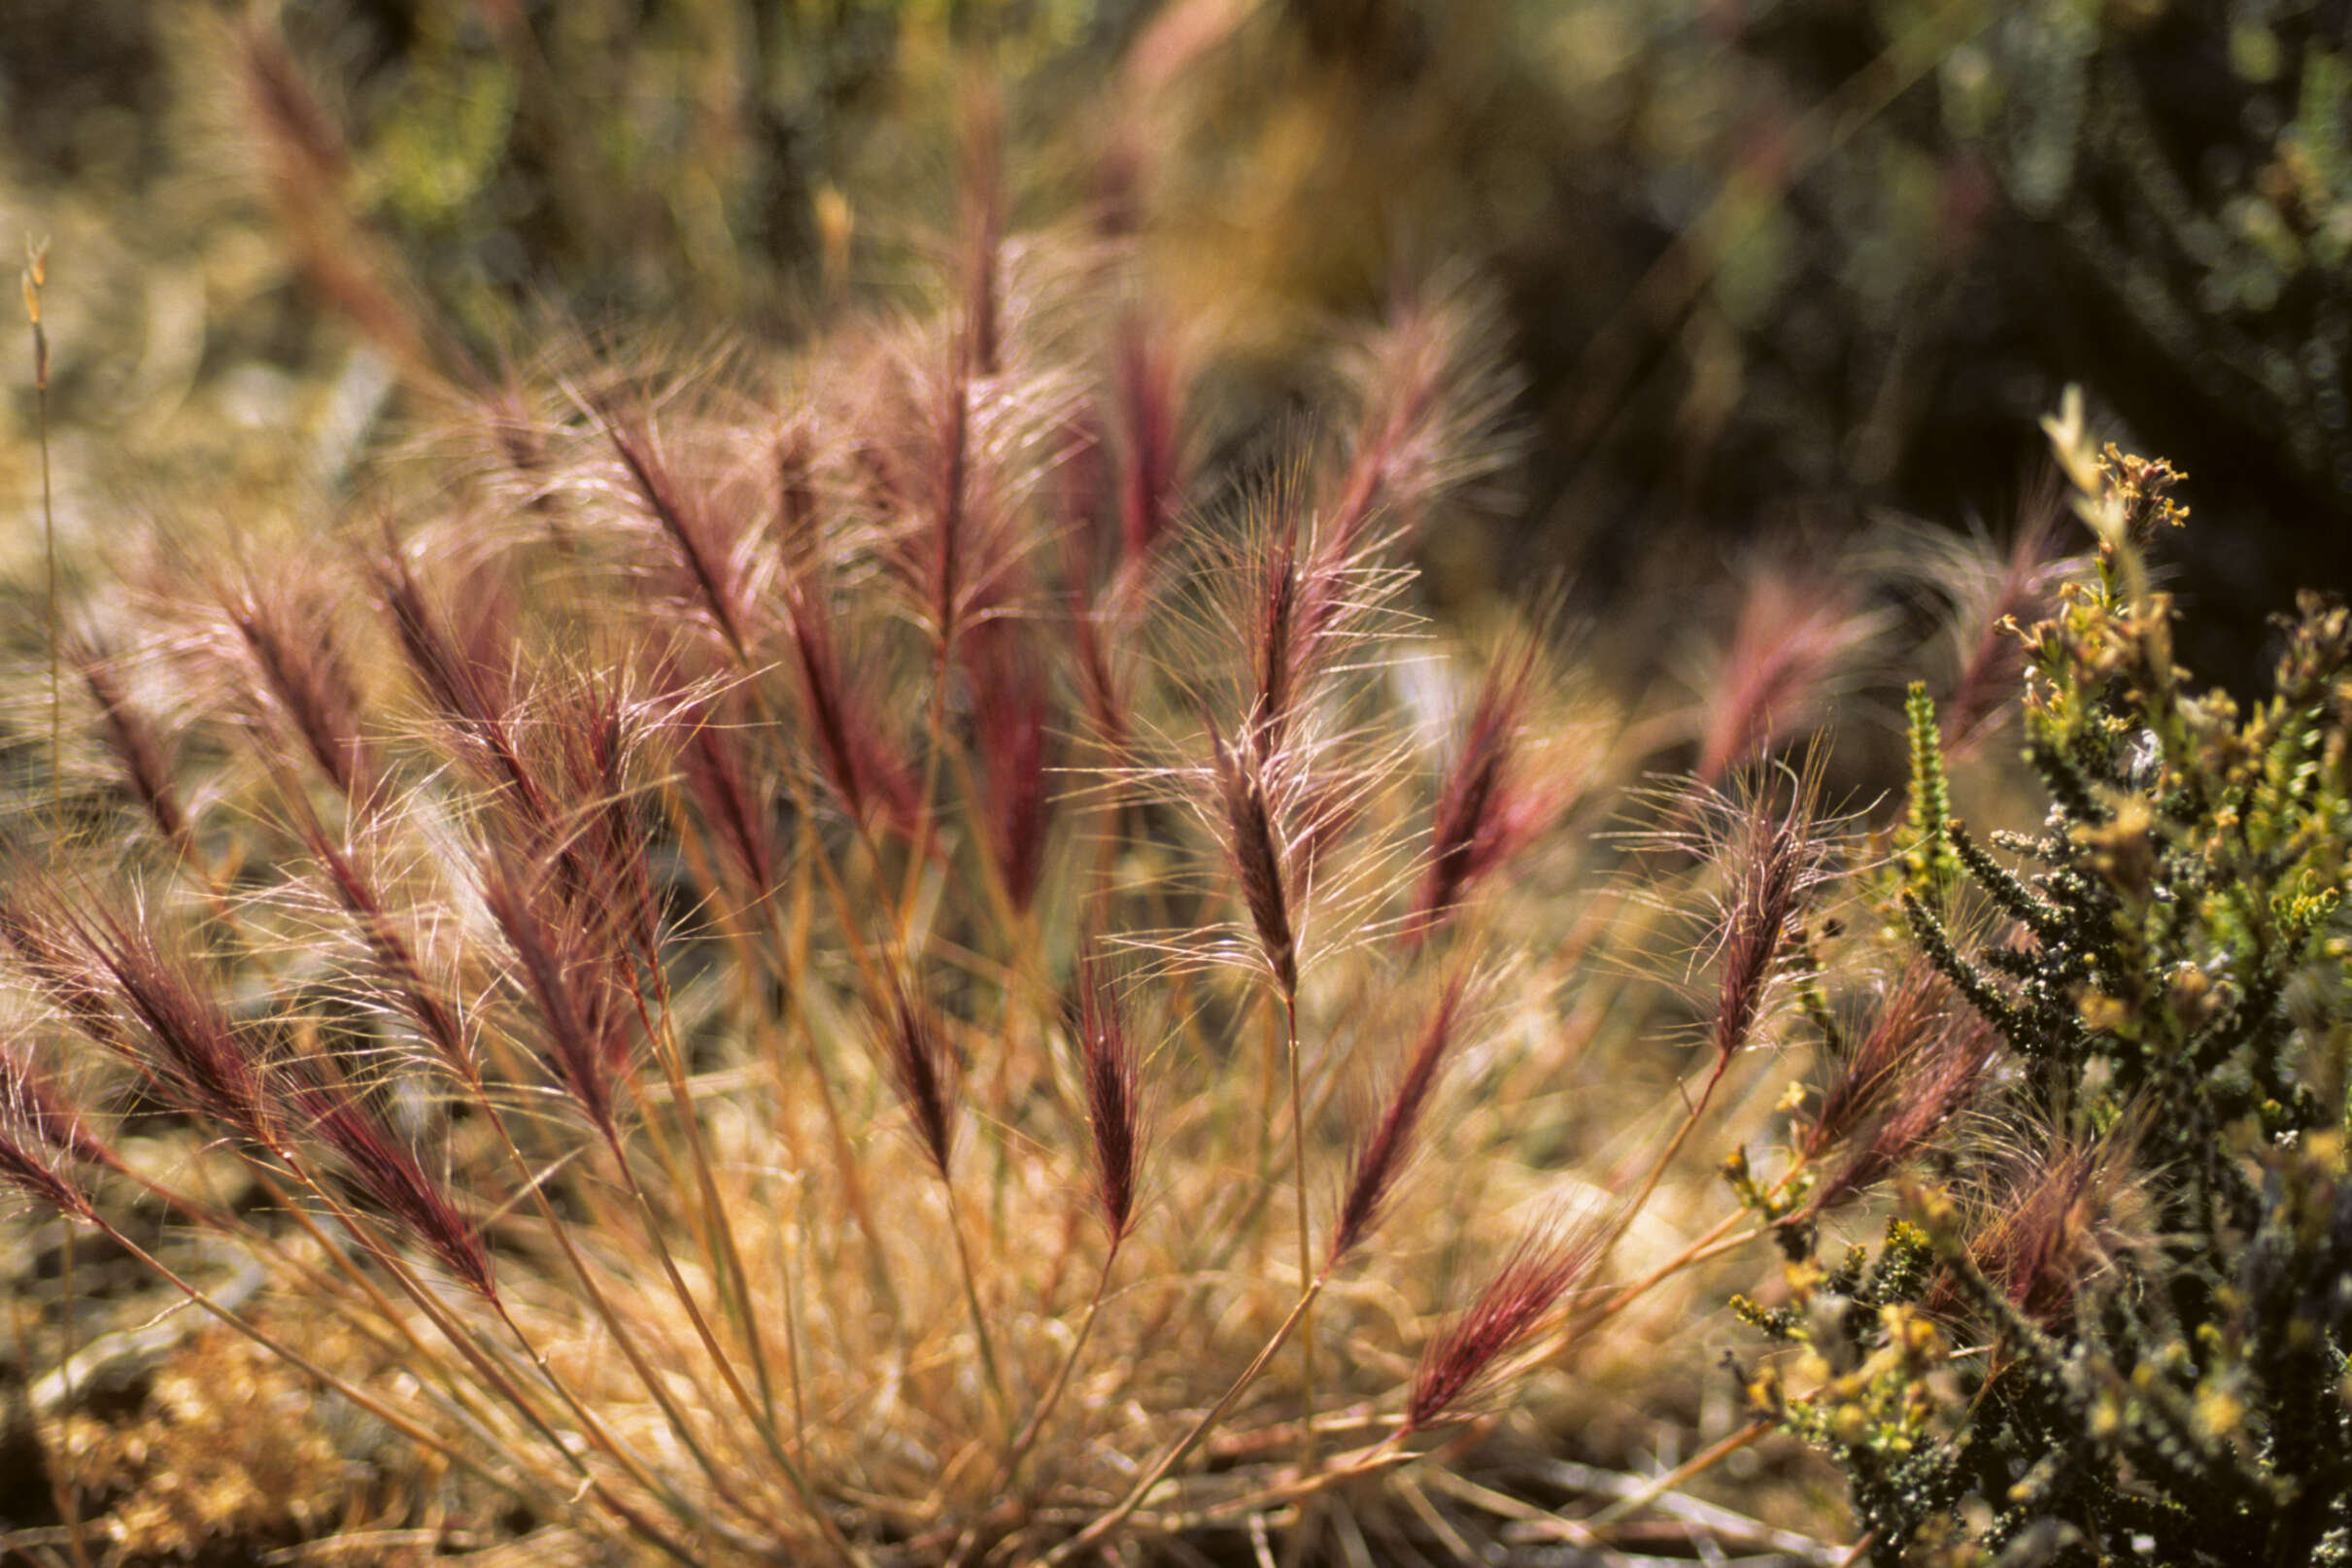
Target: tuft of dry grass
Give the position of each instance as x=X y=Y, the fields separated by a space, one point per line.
x=792 y=956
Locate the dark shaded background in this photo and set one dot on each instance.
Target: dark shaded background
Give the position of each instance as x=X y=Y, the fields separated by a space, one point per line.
x=1766 y=266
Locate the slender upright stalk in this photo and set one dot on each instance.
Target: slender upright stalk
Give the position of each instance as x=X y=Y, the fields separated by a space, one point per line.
x=68 y=1487
x=1008 y=1469
x=1011 y=1468
x=1118 y=1514
x=1707 y=1460
x=790 y=935
x=971 y=1300
x=630 y=1351
x=752 y=1412
x=36 y=275
x=1674 y=1146
x=725 y=1257
x=1297 y=1160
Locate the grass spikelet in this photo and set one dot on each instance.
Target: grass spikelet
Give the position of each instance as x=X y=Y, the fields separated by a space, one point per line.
x=2065 y=1202
x=923 y=1071
x=1899 y=1040
x=1112 y=1072
x=1256 y=855
x=794 y=457
x=1792 y=645
x=571 y=975
x=600 y=734
x=1281 y=647
x=1930 y=1084
x=41 y=1136
x=1013 y=731
x=307 y=164
x=33 y=1132
x=468 y=677
x=684 y=523
x=1463 y=1361
x=1994 y=598
x=722 y=780
x=1103 y=685
x=1432 y=411
x=300 y=678
x=1381 y=1158
x=1487 y=806
x=139 y=749
x=982 y=196
x=186 y=1044
x=1775 y=864
x=1318 y=595
x=1146 y=392
x=391 y=1177
x=309 y=145
x=52 y=957
x=427 y=1006
x=945 y=542
x=869 y=776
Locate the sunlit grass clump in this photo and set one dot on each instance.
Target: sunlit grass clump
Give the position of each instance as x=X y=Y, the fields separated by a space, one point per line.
x=862 y=957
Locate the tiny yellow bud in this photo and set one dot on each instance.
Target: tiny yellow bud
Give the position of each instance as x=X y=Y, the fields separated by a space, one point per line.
x=2103 y=1012
x=2220 y=1411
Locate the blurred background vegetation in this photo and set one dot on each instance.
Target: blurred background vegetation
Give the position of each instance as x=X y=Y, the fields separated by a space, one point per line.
x=1768 y=266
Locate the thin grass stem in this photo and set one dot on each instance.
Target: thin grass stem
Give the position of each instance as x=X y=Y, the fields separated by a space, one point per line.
x=68 y=1488
x=982 y=1339
x=36 y=276
x=752 y=1412
x=1176 y=1453
x=1298 y=1156
x=1698 y=1464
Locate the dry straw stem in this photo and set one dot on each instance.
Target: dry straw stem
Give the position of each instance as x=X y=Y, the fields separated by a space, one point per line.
x=1257 y=860
x=36 y=278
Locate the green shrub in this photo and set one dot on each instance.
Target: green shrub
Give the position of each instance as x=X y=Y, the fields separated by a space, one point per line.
x=2111 y=1321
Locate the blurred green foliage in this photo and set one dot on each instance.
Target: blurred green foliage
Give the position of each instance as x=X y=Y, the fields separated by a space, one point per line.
x=1760 y=254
